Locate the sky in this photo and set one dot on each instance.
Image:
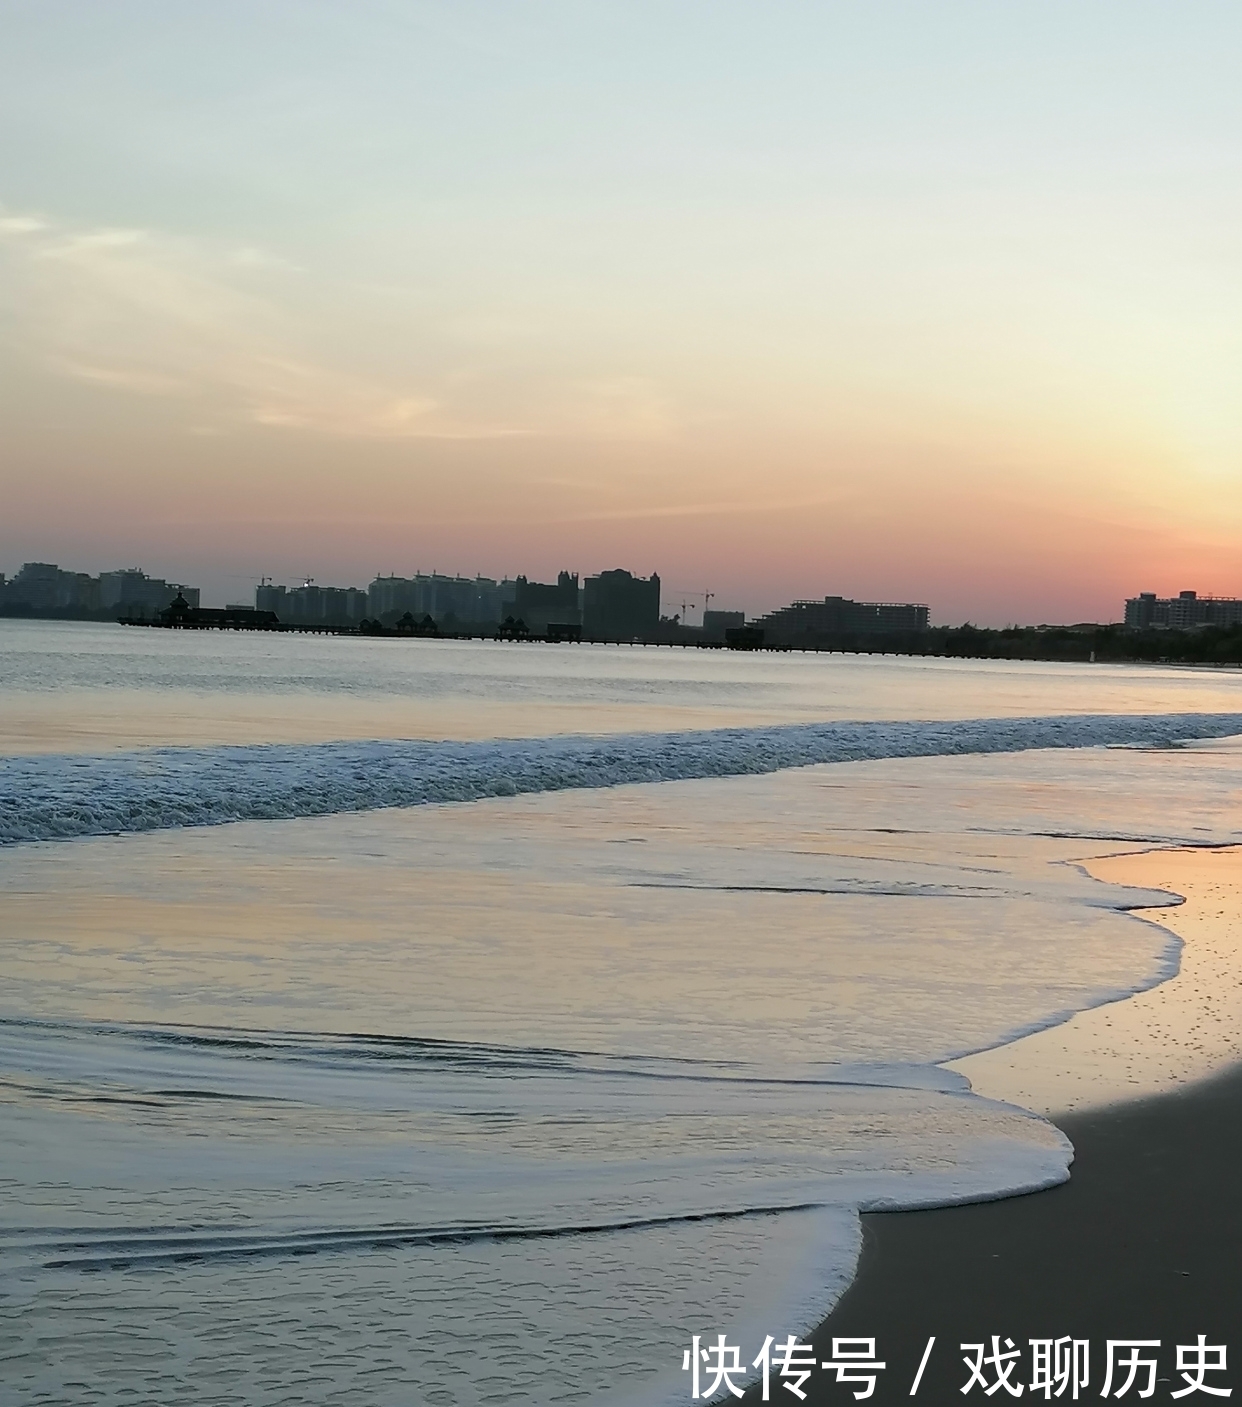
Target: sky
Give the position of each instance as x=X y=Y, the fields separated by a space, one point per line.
x=935 y=302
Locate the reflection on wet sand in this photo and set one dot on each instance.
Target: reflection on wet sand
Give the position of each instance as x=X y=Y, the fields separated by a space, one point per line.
x=1183 y=1030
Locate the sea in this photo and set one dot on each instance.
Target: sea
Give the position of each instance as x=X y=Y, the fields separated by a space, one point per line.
x=461 y=1022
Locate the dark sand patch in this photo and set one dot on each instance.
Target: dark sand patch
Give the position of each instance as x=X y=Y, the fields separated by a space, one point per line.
x=1144 y=1241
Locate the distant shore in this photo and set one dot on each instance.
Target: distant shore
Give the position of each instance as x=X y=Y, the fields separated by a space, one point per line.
x=1143 y=1242
x=1078 y=644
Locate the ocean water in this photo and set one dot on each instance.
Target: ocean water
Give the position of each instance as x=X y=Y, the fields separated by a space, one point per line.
x=470 y=1023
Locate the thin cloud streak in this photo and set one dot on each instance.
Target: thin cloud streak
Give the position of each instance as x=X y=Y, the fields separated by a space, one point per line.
x=144 y=313
x=696 y=510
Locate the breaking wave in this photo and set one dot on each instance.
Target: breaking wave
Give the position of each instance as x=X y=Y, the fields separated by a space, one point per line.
x=55 y=797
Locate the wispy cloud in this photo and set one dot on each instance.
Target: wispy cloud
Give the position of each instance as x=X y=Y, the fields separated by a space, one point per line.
x=699 y=510
x=228 y=331
x=150 y=315
x=20 y=225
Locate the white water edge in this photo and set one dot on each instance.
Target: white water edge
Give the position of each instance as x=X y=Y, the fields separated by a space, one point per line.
x=633 y=1007
x=1183 y=1030
x=62 y=796
x=298 y=1052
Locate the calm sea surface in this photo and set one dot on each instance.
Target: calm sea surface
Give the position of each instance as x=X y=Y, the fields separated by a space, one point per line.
x=401 y=1022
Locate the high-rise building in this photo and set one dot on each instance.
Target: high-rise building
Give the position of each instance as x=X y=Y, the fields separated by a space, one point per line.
x=453 y=599
x=310 y=604
x=43 y=586
x=620 y=606
x=269 y=598
x=809 y=621
x=131 y=591
x=1185 y=611
x=715 y=623
x=540 y=605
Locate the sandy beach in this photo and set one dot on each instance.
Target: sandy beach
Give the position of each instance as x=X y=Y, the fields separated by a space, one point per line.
x=1144 y=1241
x=506 y=1101
x=620 y=703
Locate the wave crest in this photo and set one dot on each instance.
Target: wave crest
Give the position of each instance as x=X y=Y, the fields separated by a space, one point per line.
x=57 y=797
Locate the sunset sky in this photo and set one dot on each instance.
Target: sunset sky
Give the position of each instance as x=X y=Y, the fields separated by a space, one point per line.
x=926 y=301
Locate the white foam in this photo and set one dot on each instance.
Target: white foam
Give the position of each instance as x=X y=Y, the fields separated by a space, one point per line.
x=751 y=994
x=53 y=797
x=615 y=1210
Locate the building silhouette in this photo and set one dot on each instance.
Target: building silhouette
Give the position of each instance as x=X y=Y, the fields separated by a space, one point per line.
x=132 y=592
x=1185 y=611
x=545 y=609
x=181 y=615
x=620 y=606
x=715 y=623
x=310 y=604
x=42 y=588
x=806 y=622
x=456 y=600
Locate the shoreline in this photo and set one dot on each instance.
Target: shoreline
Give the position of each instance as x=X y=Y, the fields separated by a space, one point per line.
x=1143 y=1242
x=1161 y=1038
x=1214 y=646
x=1145 y=1239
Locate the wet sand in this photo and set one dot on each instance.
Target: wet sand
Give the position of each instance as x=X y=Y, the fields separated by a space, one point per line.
x=1144 y=1241
x=1183 y=1030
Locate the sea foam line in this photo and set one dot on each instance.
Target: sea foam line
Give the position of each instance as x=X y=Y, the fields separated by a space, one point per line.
x=56 y=797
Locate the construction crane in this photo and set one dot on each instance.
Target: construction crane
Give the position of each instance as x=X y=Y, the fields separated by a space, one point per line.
x=687 y=598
